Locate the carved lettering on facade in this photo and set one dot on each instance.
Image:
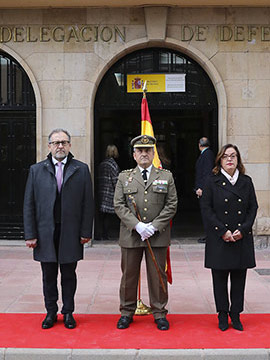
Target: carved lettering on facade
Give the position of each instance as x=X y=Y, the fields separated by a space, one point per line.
x=97 y=33
x=60 y=33
x=226 y=33
x=249 y=33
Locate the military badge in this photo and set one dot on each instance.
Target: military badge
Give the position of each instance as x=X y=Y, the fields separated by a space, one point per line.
x=145 y=140
x=160 y=182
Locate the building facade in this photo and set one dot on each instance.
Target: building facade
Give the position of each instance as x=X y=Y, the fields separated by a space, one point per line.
x=76 y=61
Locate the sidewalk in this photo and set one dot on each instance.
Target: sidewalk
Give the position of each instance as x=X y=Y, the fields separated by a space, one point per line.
x=99 y=277
x=98 y=283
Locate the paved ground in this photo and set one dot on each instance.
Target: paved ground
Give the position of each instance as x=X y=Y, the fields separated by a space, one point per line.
x=99 y=277
x=98 y=282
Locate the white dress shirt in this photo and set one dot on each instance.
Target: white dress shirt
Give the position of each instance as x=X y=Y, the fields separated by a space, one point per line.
x=148 y=170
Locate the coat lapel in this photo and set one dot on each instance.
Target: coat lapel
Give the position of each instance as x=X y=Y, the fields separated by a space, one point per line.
x=68 y=171
x=49 y=166
x=136 y=174
x=223 y=182
x=155 y=173
x=71 y=169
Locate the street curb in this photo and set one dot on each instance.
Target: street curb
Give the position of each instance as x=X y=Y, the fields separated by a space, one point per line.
x=134 y=354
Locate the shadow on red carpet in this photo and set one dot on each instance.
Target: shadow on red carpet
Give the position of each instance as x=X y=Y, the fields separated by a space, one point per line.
x=100 y=332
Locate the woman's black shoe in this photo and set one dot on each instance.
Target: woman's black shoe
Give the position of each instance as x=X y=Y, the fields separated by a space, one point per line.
x=223 y=320
x=236 y=323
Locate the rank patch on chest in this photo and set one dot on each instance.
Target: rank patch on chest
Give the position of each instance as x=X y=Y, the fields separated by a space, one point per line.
x=160 y=182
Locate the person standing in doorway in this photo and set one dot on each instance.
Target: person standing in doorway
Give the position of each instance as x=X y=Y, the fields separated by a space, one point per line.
x=145 y=200
x=58 y=217
x=107 y=178
x=204 y=166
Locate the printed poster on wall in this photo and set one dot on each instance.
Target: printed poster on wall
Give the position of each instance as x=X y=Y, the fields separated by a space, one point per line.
x=156 y=82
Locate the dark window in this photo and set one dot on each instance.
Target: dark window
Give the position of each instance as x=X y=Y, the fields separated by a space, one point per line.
x=16 y=91
x=17 y=143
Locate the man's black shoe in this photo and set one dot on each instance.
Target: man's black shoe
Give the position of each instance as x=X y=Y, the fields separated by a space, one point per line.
x=202 y=240
x=124 y=321
x=69 y=321
x=236 y=323
x=49 y=321
x=223 y=320
x=162 y=324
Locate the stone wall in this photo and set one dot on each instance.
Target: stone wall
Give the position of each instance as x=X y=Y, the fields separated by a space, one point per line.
x=66 y=62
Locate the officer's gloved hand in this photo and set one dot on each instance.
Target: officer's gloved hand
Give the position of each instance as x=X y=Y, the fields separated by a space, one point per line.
x=148 y=231
x=144 y=230
x=151 y=228
x=140 y=227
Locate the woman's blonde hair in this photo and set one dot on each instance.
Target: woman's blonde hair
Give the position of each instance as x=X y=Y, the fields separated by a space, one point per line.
x=112 y=152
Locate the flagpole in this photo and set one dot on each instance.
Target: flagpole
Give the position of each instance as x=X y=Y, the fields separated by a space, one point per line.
x=142 y=309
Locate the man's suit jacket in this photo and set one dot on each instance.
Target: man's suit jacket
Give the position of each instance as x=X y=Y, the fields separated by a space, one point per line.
x=77 y=209
x=204 y=166
x=156 y=202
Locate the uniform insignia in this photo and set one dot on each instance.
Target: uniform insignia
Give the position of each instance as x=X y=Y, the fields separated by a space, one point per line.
x=128 y=170
x=130 y=179
x=161 y=188
x=160 y=182
x=145 y=140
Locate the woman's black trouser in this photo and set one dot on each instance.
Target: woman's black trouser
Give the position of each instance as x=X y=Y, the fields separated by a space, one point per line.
x=237 y=289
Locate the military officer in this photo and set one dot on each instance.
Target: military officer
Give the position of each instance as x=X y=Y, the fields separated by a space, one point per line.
x=154 y=194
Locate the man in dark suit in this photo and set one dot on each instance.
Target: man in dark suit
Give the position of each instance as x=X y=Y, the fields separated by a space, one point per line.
x=154 y=193
x=204 y=166
x=58 y=217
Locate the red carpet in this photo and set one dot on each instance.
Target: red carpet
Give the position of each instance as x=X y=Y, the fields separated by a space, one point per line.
x=99 y=332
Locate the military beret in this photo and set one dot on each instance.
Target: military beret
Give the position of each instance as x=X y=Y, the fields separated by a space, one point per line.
x=143 y=141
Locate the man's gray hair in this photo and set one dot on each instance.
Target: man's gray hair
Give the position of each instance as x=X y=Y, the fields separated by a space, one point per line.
x=57 y=131
x=204 y=142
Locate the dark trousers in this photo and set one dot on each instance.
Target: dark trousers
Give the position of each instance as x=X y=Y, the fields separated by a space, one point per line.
x=131 y=264
x=68 y=281
x=237 y=289
x=68 y=286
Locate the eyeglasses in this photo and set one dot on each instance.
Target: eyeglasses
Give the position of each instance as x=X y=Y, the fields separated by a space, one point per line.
x=232 y=156
x=57 y=143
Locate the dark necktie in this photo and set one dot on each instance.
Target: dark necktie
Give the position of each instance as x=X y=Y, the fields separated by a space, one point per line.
x=144 y=175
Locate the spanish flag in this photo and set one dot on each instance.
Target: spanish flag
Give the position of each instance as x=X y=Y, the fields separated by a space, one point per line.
x=147 y=129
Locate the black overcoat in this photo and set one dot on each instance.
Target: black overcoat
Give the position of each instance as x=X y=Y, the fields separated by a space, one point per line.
x=76 y=210
x=204 y=166
x=229 y=207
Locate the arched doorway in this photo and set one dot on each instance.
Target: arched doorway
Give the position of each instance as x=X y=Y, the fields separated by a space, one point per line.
x=179 y=120
x=17 y=143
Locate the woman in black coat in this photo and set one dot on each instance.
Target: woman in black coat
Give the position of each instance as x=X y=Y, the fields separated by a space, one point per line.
x=229 y=208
